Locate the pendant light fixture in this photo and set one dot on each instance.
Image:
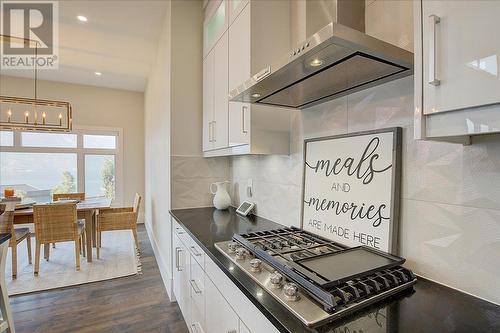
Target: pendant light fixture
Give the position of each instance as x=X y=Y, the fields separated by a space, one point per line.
x=22 y=113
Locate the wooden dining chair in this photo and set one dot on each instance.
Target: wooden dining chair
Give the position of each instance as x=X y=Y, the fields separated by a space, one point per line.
x=56 y=223
x=18 y=235
x=125 y=218
x=68 y=196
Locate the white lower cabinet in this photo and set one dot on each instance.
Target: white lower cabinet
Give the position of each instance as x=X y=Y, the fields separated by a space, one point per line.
x=181 y=277
x=220 y=317
x=209 y=301
x=198 y=298
x=243 y=328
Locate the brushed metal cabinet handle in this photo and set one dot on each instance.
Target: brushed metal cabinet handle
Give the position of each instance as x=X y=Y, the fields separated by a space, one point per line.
x=196 y=289
x=195 y=251
x=433 y=21
x=243 y=109
x=178 y=251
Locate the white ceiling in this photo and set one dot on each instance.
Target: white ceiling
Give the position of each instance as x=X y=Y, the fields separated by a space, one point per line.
x=119 y=40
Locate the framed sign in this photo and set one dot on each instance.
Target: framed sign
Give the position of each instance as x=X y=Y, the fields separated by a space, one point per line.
x=352 y=186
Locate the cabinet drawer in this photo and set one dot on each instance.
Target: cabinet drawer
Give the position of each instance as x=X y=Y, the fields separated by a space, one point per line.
x=254 y=320
x=197 y=284
x=197 y=252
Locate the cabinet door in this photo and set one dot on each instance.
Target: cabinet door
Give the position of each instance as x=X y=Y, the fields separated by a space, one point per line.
x=220 y=317
x=197 y=285
x=461 y=49
x=177 y=247
x=239 y=123
x=243 y=328
x=234 y=8
x=181 y=277
x=239 y=72
x=239 y=50
x=208 y=101
x=220 y=125
x=216 y=23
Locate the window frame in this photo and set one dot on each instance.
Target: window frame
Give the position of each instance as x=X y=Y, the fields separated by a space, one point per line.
x=81 y=152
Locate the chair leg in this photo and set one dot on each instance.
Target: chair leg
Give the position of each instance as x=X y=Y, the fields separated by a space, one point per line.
x=37 y=257
x=14 y=261
x=28 y=244
x=98 y=244
x=53 y=245
x=83 y=240
x=47 y=251
x=134 y=231
x=77 y=254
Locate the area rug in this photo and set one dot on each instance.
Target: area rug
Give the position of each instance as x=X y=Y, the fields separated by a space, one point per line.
x=118 y=258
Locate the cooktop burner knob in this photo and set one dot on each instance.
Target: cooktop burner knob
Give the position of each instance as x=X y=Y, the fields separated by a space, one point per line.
x=232 y=247
x=241 y=253
x=256 y=265
x=291 y=291
x=276 y=279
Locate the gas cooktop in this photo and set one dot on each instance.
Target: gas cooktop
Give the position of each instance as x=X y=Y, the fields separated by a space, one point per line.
x=318 y=280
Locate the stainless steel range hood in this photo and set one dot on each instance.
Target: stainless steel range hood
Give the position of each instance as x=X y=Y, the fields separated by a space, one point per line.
x=335 y=61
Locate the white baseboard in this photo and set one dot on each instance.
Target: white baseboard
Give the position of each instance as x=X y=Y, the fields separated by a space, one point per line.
x=165 y=276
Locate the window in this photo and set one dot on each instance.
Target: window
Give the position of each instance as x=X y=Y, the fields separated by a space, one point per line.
x=99 y=141
x=40 y=164
x=27 y=172
x=6 y=139
x=100 y=176
x=53 y=140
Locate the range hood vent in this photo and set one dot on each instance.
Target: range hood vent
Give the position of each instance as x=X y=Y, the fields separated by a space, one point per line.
x=335 y=61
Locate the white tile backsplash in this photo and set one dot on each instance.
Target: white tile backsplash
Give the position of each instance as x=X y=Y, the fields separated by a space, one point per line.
x=450 y=213
x=191 y=177
x=450 y=209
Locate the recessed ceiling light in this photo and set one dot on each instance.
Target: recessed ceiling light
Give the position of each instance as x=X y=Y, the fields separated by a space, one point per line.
x=98 y=73
x=256 y=95
x=82 y=18
x=316 y=62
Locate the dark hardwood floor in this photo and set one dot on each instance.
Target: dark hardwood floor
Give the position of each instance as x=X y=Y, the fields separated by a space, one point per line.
x=137 y=304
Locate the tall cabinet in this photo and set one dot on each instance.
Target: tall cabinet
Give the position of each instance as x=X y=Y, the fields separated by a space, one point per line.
x=257 y=34
x=457 y=76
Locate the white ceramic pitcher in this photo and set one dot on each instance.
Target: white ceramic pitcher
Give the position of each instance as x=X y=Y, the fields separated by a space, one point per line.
x=221 y=198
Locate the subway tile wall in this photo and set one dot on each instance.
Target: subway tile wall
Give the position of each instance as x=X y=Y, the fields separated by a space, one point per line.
x=450 y=210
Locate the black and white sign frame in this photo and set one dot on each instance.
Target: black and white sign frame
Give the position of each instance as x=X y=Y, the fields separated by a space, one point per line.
x=392 y=234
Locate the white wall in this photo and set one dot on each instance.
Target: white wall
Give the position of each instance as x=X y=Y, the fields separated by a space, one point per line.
x=450 y=208
x=191 y=174
x=177 y=175
x=157 y=153
x=98 y=107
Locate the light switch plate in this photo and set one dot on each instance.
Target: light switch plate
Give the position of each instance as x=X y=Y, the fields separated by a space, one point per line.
x=250 y=188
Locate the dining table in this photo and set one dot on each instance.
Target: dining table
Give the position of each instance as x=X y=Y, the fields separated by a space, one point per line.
x=87 y=209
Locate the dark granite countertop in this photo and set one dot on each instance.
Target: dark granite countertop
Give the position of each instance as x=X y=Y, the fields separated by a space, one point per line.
x=430 y=307
x=4 y=238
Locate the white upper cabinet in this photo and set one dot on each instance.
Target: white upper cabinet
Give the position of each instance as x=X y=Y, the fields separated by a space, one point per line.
x=258 y=32
x=215 y=24
x=461 y=50
x=215 y=97
x=239 y=71
x=457 y=84
x=208 y=101
x=220 y=125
